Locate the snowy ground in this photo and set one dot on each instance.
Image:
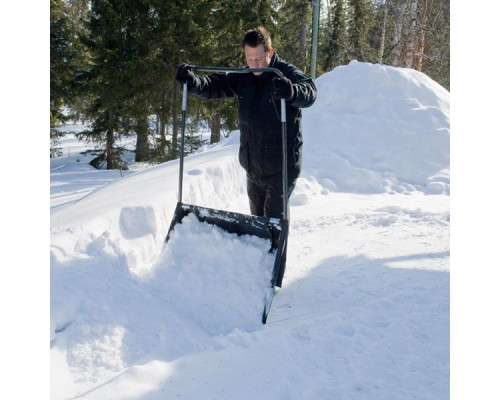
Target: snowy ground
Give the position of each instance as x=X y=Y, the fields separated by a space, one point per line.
x=364 y=312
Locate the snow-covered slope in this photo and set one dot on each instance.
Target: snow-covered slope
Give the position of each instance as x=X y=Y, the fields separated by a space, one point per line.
x=364 y=308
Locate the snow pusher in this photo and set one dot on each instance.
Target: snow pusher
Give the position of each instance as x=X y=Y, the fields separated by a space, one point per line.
x=273 y=229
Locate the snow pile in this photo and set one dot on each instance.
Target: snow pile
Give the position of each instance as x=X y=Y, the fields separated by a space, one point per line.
x=376 y=128
x=213 y=277
x=364 y=308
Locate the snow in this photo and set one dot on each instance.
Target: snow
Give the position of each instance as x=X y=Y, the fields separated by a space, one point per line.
x=204 y=283
x=389 y=131
x=364 y=311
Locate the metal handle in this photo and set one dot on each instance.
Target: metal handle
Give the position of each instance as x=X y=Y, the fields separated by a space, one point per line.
x=283 y=126
x=183 y=131
x=220 y=70
x=285 y=159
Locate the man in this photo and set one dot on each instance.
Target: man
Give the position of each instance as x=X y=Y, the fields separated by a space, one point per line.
x=259 y=97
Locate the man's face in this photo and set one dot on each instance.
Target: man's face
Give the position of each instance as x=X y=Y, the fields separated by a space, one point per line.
x=257 y=57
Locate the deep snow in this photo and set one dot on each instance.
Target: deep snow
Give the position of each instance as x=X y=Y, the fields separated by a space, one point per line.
x=364 y=308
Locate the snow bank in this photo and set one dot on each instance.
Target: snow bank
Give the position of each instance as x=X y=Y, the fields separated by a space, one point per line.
x=376 y=129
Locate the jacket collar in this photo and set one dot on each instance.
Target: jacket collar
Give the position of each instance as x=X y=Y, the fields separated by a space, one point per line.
x=273 y=61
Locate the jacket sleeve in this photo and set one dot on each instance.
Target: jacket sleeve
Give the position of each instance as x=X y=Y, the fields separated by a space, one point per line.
x=217 y=86
x=303 y=87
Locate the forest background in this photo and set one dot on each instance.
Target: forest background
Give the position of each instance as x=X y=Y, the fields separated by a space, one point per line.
x=113 y=62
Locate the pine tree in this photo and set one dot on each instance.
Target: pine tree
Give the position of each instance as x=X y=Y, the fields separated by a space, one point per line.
x=66 y=58
x=227 y=22
x=361 y=20
x=104 y=82
x=124 y=38
x=182 y=36
x=333 y=45
x=294 y=32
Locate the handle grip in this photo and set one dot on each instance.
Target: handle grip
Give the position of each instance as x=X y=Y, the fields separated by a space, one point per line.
x=243 y=70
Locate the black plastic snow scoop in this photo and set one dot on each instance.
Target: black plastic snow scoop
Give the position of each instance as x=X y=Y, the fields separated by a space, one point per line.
x=273 y=229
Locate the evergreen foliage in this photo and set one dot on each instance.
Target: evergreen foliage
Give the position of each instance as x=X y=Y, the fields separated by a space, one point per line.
x=333 y=36
x=113 y=62
x=361 y=19
x=294 y=33
x=66 y=57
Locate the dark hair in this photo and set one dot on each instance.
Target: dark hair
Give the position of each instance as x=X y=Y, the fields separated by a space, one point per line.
x=257 y=36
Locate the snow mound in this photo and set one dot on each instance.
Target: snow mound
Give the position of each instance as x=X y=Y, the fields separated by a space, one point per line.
x=375 y=129
x=215 y=278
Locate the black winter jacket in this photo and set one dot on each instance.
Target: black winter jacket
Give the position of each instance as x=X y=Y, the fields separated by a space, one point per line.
x=260 y=119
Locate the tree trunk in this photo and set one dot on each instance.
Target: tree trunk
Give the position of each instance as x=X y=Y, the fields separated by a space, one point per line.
x=382 y=39
x=163 y=127
x=176 y=123
x=110 y=143
x=110 y=151
x=142 y=144
x=411 y=42
x=419 y=55
x=215 y=129
x=397 y=37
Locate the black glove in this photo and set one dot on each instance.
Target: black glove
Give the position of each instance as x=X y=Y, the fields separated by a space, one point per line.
x=185 y=74
x=283 y=88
